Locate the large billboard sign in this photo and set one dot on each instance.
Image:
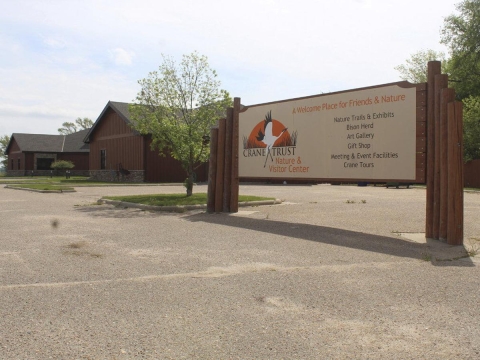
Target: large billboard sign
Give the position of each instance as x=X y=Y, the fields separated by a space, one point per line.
x=360 y=134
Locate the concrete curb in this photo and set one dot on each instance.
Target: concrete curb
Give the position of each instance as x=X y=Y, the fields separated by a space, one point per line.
x=39 y=191
x=181 y=208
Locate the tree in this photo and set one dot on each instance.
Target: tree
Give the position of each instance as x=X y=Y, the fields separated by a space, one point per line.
x=177 y=105
x=62 y=165
x=4 y=141
x=461 y=34
x=471 y=128
x=415 y=69
x=79 y=124
x=84 y=123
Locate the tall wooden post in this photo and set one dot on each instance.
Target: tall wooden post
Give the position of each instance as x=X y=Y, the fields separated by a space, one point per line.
x=444 y=210
x=235 y=138
x=455 y=174
x=227 y=176
x=212 y=170
x=446 y=96
x=220 y=166
x=441 y=82
x=434 y=68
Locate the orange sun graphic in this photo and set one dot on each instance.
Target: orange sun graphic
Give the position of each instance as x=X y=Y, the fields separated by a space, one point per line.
x=277 y=128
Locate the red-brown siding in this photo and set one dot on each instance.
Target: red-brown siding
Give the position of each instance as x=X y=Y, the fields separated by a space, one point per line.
x=29 y=161
x=165 y=169
x=120 y=142
x=472 y=174
x=14 y=154
x=80 y=160
x=13 y=147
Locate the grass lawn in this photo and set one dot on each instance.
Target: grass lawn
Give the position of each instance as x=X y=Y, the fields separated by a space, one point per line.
x=176 y=199
x=41 y=179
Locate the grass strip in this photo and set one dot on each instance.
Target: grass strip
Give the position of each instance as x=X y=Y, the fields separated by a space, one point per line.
x=45 y=187
x=176 y=199
x=59 y=180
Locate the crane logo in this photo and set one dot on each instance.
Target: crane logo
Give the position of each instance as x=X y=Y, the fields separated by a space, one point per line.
x=269 y=138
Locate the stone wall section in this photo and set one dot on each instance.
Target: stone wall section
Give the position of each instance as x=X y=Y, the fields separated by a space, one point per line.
x=116 y=176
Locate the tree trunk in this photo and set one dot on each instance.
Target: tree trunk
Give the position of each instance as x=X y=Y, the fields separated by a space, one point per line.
x=189 y=181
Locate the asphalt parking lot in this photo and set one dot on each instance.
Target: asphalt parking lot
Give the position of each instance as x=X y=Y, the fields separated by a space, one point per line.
x=334 y=272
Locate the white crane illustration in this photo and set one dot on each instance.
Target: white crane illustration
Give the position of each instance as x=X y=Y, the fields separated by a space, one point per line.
x=267 y=136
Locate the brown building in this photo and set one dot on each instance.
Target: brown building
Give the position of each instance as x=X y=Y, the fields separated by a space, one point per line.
x=32 y=154
x=119 y=153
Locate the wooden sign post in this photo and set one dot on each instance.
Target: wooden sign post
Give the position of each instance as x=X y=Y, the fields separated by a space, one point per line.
x=444 y=207
x=223 y=180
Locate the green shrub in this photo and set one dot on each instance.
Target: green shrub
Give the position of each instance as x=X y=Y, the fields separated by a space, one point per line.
x=62 y=165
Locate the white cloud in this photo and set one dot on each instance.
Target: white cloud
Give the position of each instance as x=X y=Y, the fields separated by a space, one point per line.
x=44 y=111
x=54 y=43
x=121 y=57
x=89 y=51
x=40 y=100
x=365 y=3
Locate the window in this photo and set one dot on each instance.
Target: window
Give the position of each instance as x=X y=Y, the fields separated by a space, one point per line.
x=44 y=163
x=103 y=159
x=12 y=164
x=18 y=164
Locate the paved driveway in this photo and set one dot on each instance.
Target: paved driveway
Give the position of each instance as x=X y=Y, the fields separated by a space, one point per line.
x=326 y=275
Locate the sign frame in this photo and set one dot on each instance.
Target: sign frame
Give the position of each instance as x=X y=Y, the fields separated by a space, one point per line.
x=419 y=137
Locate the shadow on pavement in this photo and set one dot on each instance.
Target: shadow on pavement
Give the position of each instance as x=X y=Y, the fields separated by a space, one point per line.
x=439 y=254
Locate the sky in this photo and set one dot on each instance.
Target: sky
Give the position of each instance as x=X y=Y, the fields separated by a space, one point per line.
x=64 y=59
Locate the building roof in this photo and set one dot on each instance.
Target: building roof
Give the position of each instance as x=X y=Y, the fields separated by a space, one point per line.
x=120 y=108
x=50 y=143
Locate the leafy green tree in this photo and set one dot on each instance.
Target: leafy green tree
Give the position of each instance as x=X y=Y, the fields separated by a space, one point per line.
x=461 y=34
x=177 y=105
x=62 y=165
x=415 y=69
x=471 y=128
x=67 y=128
x=84 y=123
x=79 y=124
x=4 y=140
